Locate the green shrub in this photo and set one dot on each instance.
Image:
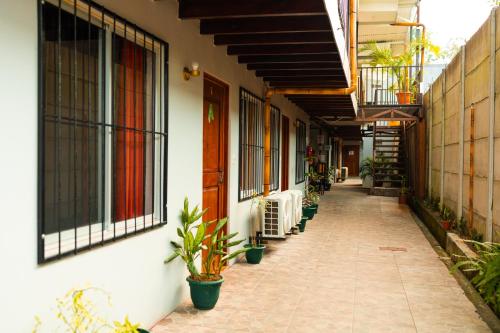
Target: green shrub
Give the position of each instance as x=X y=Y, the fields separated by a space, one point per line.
x=487 y=269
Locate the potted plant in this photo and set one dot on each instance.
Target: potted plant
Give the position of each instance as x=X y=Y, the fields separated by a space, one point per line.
x=255 y=247
x=446 y=218
x=313 y=198
x=403 y=194
x=204 y=287
x=307 y=210
x=366 y=172
x=302 y=224
x=398 y=66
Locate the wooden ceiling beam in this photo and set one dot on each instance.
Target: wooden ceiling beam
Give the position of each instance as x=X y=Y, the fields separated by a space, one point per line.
x=281 y=49
x=311 y=79
x=289 y=73
x=293 y=66
x=299 y=84
x=200 y=9
x=293 y=58
x=265 y=24
x=275 y=38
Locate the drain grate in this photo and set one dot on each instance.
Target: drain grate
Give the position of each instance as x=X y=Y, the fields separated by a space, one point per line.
x=392 y=248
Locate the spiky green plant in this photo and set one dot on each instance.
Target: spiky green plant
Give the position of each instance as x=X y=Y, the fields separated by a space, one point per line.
x=366 y=168
x=218 y=254
x=197 y=237
x=487 y=269
x=192 y=235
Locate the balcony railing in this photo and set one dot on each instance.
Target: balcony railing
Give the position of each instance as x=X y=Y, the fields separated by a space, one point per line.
x=379 y=86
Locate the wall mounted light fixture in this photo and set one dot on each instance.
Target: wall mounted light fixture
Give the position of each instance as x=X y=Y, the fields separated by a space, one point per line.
x=194 y=72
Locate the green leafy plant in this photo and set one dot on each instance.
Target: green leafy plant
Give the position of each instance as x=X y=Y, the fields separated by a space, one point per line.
x=476 y=235
x=195 y=239
x=404 y=185
x=427 y=202
x=260 y=204
x=435 y=204
x=487 y=269
x=446 y=213
x=366 y=169
x=192 y=235
x=312 y=195
x=78 y=314
x=217 y=251
x=331 y=174
x=461 y=227
x=397 y=64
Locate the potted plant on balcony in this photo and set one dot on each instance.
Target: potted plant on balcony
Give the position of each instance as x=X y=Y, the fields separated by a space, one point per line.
x=366 y=172
x=204 y=287
x=406 y=83
x=255 y=247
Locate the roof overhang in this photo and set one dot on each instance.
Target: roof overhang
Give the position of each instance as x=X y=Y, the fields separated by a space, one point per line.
x=288 y=43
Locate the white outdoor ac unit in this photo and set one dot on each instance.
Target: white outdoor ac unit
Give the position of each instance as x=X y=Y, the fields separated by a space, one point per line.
x=296 y=206
x=277 y=219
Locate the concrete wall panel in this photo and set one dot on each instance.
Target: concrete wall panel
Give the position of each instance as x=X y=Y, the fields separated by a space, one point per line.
x=481 y=196
x=453 y=72
x=451 y=130
x=452 y=105
x=436 y=158
x=436 y=136
x=482 y=119
x=481 y=158
x=477 y=84
x=451 y=158
x=477 y=48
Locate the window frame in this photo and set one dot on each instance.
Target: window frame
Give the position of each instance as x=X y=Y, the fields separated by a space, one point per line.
x=92 y=13
x=275 y=148
x=258 y=173
x=300 y=139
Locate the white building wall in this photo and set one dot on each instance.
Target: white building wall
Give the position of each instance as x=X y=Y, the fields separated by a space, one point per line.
x=131 y=270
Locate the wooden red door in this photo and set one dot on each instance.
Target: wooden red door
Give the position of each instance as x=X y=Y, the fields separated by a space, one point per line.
x=285 y=146
x=215 y=115
x=350 y=158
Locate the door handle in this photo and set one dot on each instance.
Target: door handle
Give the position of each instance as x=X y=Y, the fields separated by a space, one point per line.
x=221 y=177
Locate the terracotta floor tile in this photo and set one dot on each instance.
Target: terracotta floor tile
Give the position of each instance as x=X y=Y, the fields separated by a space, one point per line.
x=335 y=278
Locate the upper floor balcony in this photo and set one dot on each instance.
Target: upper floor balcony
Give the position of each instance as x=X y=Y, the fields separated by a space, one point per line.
x=390 y=86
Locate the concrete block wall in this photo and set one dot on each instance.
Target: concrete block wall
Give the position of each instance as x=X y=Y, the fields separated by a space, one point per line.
x=450 y=94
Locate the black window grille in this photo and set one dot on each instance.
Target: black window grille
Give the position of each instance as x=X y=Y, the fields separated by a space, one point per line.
x=300 y=153
x=275 y=148
x=102 y=128
x=251 y=164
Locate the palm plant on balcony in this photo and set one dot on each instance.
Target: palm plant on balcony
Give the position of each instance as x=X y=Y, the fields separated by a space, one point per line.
x=399 y=66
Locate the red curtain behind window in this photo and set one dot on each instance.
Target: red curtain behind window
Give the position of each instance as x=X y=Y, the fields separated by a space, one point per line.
x=129 y=150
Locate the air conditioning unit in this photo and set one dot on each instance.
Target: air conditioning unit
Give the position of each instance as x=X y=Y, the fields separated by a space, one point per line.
x=296 y=206
x=277 y=216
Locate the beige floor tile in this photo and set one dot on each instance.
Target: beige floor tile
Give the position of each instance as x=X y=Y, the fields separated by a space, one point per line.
x=335 y=278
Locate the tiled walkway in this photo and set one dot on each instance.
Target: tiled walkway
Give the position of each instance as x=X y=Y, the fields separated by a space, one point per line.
x=336 y=278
